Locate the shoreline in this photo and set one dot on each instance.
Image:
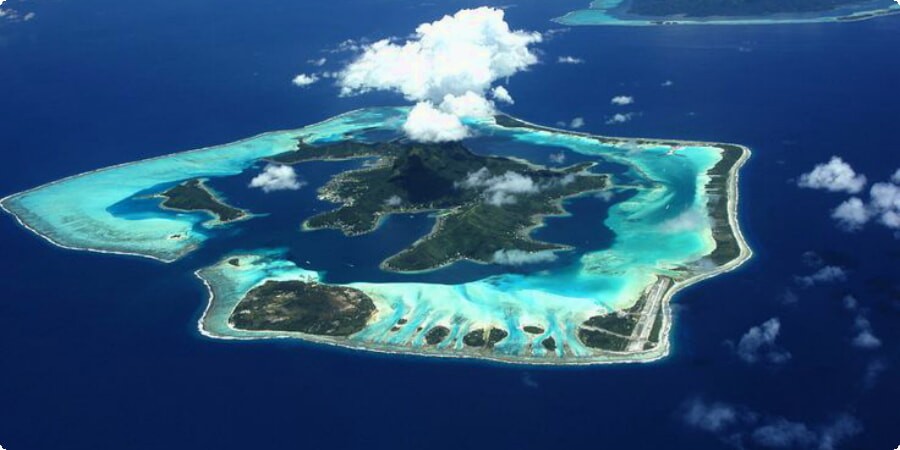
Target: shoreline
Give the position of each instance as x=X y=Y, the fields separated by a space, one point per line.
x=6 y=200
x=633 y=20
x=662 y=349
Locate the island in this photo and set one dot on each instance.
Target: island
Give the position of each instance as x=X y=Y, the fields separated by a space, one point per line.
x=486 y=205
x=490 y=275
x=194 y=195
x=727 y=12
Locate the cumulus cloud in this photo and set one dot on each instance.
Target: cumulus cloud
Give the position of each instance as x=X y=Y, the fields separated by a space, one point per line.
x=318 y=62
x=689 y=220
x=709 y=416
x=622 y=100
x=469 y=104
x=851 y=215
x=569 y=60
x=500 y=94
x=277 y=178
x=667 y=83
x=827 y=274
x=883 y=206
x=577 y=123
x=834 y=176
x=521 y=257
x=736 y=425
x=620 y=118
x=393 y=200
x=304 y=80
x=558 y=158
x=448 y=62
x=782 y=433
x=425 y=123
x=758 y=344
x=499 y=190
x=865 y=338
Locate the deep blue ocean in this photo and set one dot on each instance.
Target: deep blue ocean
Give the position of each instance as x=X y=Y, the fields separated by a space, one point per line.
x=102 y=352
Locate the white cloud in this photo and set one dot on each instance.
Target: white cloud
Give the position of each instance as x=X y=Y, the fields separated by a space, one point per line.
x=446 y=62
x=852 y=214
x=393 y=200
x=758 y=344
x=620 y=118
x=304 y=80
x=521 y=257
x=667 y=83
x=622 y=100
x=577 y=123
x=885 y=203
x=689 y=220
x=827 y=274
x=499 y=190
x=318 y=62
x=709 y=416
x=865 y=338
x=834 y=176
x=425 y=123
x=469 y=104
x=883 y=206
x=500 y=94
x=558 y=158
x=735 y=424
x=782 y=433
x=277 y=178
x=569 y=60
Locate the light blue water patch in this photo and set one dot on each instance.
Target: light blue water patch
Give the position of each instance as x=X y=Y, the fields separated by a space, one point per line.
x=75 y=212
x=662 y=227
x=610 y=12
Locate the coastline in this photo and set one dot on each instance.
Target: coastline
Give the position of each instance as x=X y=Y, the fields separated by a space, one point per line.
x=660 y=351
x=5 y=202
x=607 y=16
x=657 y=352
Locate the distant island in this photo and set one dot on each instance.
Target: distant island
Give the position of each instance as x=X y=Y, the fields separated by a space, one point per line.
x=194 y=195
x=724 y=12
x=477 y=217
x=669 y=207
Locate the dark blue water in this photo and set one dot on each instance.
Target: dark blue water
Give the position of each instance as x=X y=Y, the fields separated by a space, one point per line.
x=99 y=351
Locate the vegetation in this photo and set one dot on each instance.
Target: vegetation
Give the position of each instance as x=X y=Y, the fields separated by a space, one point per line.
x=193 y=195
x=303 y=307
x=478 y=338
x=727 y=247
x=436 y=335
x=476 y=219
x=706 y=8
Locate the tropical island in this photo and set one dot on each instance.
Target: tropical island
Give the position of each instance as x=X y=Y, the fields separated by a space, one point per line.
x=193 y=196
x=670 y=205
x=724 y=12
x=486 y=205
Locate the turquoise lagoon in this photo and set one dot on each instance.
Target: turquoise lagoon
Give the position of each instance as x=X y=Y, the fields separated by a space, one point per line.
x=611 y=12
x=662 y=230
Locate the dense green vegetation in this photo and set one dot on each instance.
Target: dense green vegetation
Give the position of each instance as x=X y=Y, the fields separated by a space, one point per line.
x=705 y=8
x=303 y=307
x=727 y=247
x=192 y=195
x=478 y=215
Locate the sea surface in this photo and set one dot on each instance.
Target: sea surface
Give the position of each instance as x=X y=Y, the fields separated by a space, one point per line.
x=102 y=351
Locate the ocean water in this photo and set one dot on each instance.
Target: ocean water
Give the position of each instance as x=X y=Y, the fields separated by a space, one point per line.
x=101 y=351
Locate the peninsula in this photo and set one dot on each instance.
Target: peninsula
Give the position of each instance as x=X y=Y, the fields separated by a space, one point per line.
x=193 y=195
